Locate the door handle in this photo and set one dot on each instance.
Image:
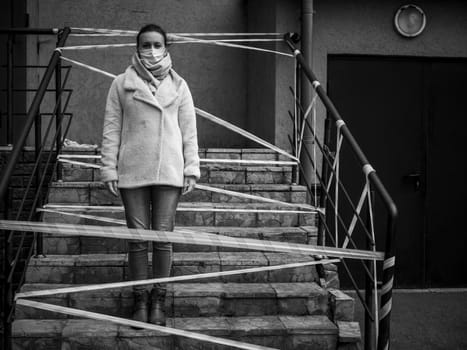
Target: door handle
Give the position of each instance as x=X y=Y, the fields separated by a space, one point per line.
x=413 y=179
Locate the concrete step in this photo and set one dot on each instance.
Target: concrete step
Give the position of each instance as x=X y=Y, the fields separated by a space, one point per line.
x=203 y=218
x=101 y=268
x=210 y=173
x=195 y=300
x=280 y=332
x=95 y=193
x=54 y=244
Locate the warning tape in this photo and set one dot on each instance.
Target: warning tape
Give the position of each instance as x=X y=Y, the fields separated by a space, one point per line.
x=204 y=114
x=219 y=43
x=202 y=160
x=138 y=324
x=74 y=162
x=134 y=32
x=182 y=208
x=243 y=132
x=187 y=237
x=103 y=286
x=258 y=198
x=84 y=216
x=178 y=41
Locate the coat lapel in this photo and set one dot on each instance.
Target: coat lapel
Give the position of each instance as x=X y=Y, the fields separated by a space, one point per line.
x=166 y=94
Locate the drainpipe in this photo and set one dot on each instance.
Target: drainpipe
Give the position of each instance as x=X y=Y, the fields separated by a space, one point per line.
x=306 y=89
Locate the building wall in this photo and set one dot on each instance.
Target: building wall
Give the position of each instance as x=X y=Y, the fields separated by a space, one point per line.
x=247 y=88
x=217 y=76
x=365 y=27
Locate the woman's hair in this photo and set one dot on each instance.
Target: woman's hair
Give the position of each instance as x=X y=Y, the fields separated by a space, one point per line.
x=151 y=28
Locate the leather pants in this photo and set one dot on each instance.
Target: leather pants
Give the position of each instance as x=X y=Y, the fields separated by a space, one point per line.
x=150 y=207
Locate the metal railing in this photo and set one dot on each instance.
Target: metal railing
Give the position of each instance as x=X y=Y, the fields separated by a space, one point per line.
x=18 y=247
x=376 y=328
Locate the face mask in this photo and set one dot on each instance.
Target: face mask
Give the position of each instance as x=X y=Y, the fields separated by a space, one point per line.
x=152 y=56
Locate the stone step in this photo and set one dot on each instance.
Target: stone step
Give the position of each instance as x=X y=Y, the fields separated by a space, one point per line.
x=95 y=193
x=195 y=300
x=280 y=332
x=210 y=173
x=204 y=218
x=102 y=268
x=54 y=244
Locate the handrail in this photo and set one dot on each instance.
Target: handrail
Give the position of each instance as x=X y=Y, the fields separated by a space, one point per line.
x=14 y=259
x=388 y=266
x=32 y=112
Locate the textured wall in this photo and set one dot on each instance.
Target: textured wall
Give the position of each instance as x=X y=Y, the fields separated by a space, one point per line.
x=249 y=89
x=365 y=27
x=217 y=76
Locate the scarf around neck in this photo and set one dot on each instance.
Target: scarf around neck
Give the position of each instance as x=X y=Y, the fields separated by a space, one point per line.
x=156 y=74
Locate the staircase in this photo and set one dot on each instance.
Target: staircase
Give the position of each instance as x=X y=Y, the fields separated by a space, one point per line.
x=284 y=309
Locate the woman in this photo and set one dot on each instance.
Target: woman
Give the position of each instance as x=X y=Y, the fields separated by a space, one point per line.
x=150 y=153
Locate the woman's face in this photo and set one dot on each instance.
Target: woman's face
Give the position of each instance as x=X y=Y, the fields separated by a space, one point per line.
x=151 y=40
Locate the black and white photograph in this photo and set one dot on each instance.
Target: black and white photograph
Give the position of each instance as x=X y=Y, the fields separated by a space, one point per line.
x=233 y=174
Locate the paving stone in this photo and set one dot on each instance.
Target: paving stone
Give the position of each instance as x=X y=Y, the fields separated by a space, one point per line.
x=38 y=328
x=341 y=305
x=61 y=244
x=197 y=196
x=101 y=196
x=222 y=154
x=183 y=218
x=69 y=195
x=270 y=175
x=255 y=155
x=96 y=245
x=72 y=173
x=277 y=219
x=349 y=332
x=235 y=219
x=226 y=177
x=248 y=326
x=78 y=335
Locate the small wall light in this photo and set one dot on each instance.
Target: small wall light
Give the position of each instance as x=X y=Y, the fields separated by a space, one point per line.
x=410 y=21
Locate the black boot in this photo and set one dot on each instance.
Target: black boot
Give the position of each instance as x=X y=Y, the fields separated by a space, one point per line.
x=140 y=306
x=157 y=311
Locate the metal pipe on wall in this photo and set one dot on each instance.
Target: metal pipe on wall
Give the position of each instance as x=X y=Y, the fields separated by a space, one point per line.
x=305 y=86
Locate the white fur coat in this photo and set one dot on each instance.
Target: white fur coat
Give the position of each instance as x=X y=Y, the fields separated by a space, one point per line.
x=147 y=139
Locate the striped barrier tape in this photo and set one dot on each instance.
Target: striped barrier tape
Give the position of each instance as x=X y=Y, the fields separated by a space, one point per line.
x=309 y=208
x=103 y=286
x=84 y=164
x=138 y=324
x=187 y=237
x=205 y=115
x=182 y=208
x=134 y=32
x=243 y=133
x=62 y=157
x=218 y=43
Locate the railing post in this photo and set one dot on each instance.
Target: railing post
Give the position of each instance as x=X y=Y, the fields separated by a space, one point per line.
x=306 y=89
x=59 y=112
x=6 y=292
x=369 y=329
x=297 y=123
x=37 y=180
x=9 y=94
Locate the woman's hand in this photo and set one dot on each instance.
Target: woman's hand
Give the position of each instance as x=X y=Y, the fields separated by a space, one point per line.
x=189 y=183
x=112 y=187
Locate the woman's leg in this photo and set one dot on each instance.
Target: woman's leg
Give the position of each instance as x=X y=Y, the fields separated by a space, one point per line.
x=137 y=212
x=164 y=206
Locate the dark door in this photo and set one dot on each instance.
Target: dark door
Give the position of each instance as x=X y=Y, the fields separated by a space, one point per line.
x=409 y=116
